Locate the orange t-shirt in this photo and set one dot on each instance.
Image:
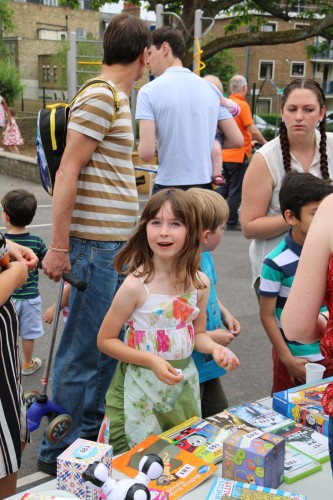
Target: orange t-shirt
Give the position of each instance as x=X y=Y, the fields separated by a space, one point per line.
x=244 y=119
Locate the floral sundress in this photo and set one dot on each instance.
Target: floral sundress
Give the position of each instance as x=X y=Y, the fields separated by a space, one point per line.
x=137 y=403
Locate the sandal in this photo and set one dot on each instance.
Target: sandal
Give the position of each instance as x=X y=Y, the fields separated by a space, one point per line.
x=218 y=180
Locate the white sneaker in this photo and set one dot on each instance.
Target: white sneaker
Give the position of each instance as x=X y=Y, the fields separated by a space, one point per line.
x=35 y=365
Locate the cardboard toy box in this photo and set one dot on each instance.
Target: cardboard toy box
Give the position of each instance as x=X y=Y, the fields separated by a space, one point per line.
x=74 y=461
x=254 y=457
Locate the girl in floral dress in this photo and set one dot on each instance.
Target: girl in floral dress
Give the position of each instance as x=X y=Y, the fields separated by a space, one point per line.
x=12 y=137
x=163 y=301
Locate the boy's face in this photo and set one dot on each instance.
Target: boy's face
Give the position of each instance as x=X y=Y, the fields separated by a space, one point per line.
x=211 y=239
x=301 y=226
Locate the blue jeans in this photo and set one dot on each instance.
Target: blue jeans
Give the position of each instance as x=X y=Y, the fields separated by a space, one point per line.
x=82 y=374
x=232 y=189
x=330 y=439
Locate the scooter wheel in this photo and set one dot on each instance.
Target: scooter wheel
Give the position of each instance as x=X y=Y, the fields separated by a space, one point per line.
x=59 y=428
x=29 y=398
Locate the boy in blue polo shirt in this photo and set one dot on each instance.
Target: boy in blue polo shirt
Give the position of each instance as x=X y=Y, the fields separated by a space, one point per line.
x=300 y=196
x=214 y=215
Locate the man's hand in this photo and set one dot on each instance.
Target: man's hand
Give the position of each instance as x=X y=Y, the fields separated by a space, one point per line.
x=55 y=264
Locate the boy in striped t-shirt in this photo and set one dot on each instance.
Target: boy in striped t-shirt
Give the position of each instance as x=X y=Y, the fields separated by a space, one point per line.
x=300 y=196
x=19 y=208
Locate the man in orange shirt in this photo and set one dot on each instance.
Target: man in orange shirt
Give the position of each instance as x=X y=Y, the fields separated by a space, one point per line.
x=235 y=161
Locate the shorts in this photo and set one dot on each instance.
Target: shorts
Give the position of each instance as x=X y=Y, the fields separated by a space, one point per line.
x=29 y=312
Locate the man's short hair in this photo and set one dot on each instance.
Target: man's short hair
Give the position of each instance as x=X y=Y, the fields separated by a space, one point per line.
x=20 y=206
x=237 y=82
x=173 y=37
x=125 y=39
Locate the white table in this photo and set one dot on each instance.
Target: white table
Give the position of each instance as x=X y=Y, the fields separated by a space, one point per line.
x=317 y=486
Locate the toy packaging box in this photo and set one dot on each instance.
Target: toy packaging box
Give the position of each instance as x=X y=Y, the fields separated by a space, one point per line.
x=303 y=404
x=74 y=461
x=254 y=457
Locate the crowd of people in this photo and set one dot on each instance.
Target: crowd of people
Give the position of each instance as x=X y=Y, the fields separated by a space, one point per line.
x=152 y=332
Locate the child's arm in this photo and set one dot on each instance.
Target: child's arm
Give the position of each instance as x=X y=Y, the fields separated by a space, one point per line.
x=228 y=319
x=231 y=106
x=11 y=278
x=23 y=254
x=49 y=312
x=7 y=110
x=129 y=296
x=294 y=365
x=203 y=342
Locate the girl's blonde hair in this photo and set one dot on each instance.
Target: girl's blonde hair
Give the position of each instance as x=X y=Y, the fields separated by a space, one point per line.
x=213 y=209
x=136 y=256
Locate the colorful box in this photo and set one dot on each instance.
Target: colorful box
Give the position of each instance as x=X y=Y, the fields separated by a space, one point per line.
x=303 y=404
x=74 y=461
x=254 y=457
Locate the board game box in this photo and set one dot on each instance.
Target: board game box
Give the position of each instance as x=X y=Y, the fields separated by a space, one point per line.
x=258 y=415
x=303 y=405
x=224 y=489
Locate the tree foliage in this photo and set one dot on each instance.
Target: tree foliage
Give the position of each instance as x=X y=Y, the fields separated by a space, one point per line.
x=6 y=24
x=249 y=13
x=11 y=81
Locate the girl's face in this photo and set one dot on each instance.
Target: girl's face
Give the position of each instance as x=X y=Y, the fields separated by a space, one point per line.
x=166 y=234
x=301 y=112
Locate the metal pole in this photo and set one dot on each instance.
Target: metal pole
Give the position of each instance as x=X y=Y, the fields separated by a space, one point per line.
x=159 y=15
x=197 y=34
x=71 y=67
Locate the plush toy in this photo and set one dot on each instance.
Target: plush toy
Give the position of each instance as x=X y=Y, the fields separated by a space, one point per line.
x=150 y=467
x=4 y=255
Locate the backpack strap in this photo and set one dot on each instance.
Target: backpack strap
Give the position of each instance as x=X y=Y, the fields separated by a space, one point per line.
x=94 y=83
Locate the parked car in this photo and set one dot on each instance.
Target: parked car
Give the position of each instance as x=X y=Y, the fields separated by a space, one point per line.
x=261 y=124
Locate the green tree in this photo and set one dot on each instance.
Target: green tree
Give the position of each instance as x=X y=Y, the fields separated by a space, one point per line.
x=6 y=24
x=249 y=13
x=11 y=81
x=220 y=65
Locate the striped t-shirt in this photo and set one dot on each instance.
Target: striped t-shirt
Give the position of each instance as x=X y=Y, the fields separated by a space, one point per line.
x=277 y=276
x=30 y=289
x=106 y=206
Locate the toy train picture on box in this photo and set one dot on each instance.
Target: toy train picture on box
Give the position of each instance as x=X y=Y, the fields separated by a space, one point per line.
x=303 y=405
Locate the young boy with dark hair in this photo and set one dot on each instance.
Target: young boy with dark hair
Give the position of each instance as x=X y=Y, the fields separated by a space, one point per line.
x=19 y=207
x=300 y=196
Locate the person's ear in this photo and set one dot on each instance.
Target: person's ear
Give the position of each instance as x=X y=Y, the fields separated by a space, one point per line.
x=204 y=237
x=290 y=217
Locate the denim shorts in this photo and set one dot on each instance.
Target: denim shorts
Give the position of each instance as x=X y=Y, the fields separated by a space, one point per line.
x=29 y=312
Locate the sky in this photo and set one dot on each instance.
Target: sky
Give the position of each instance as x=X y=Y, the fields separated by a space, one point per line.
x=115 y=8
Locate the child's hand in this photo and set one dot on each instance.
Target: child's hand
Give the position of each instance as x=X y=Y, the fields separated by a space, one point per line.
x=296 y=369
x=48 y=315
x=232 y=324
x=165 y=372
x=225 y=358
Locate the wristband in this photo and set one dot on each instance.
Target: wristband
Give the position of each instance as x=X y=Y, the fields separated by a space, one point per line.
x=64 y=250
x=324 y=316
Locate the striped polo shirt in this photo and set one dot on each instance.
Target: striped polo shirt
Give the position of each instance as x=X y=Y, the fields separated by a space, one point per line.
x=106 y=206
x=30 y=289
x=277 y=276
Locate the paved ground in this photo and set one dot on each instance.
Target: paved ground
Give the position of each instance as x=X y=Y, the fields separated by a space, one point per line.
x=251 y=381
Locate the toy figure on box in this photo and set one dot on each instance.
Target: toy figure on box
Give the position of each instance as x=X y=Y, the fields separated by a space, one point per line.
x=150 y=467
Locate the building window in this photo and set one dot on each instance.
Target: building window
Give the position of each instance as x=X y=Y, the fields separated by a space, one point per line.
x=300 y=26
x=53 y=3
x=297 y=69
x=46 y=72
x=55 y=73
x=265 y=69
x=80 y=33
x=264 y=106
x=270 y=27
x=298 y=7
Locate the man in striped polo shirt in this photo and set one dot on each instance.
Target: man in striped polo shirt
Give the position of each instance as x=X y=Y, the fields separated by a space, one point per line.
x=95 y=206
x=300 y=196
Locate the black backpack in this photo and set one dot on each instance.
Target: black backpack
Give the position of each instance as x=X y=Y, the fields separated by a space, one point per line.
x=51 y=134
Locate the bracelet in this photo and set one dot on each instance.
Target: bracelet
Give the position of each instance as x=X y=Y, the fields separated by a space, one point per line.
x=64 y=250
x=324 y=316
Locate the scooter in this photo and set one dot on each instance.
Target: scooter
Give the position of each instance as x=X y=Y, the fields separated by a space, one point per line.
x=38 y=404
